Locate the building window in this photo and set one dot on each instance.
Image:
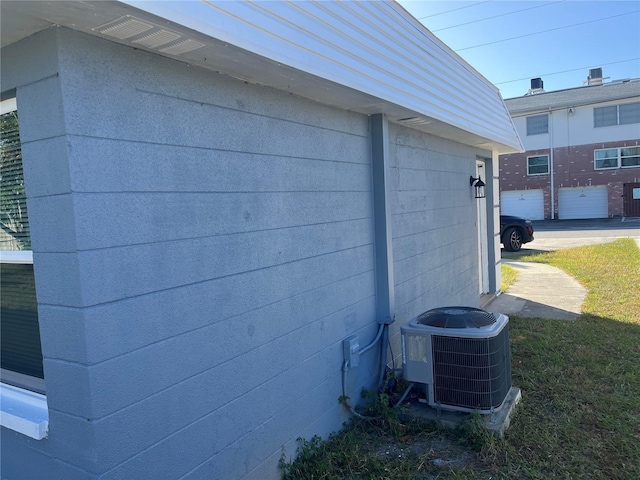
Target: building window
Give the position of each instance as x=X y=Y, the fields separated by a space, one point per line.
x=626 y=114
x=607 y=158
x=538 y=124
x=21 y=354
x=630 y=157
x=605 y=116
x=629 y=113
x=622 y=157
x=538 y=165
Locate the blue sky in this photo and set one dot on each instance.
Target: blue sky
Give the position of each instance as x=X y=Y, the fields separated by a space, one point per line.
x=558 y=41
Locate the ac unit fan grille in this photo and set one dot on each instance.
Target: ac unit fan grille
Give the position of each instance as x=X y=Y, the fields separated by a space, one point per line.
x=470 y=372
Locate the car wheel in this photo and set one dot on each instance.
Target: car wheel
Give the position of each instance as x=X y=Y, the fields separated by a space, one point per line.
x=512 y=240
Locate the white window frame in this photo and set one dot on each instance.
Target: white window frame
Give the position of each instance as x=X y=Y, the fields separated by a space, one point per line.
x=595 y=165
x=21 y=410
x=537 y=156
x=618 y=159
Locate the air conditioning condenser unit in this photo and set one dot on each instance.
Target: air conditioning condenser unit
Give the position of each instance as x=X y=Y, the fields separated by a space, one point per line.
x=461 y=356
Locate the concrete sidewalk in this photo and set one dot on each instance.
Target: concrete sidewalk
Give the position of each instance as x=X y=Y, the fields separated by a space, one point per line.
x=544 y=291
x=541 y=291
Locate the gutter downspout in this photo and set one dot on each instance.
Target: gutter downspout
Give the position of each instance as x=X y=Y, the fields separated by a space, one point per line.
x=385 y=293
x=551 y=167
x=383 y=252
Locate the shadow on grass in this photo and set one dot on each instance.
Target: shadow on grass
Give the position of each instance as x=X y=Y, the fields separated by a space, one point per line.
x=514 y=305
x=525 y=252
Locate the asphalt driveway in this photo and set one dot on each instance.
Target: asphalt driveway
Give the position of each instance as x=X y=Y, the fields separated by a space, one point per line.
x=558 y=234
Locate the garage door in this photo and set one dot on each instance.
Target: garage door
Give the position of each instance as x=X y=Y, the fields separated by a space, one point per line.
x=523 y=203
x=583 y=202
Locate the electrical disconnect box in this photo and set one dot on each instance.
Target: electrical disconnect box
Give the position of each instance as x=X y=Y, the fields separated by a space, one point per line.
x=351 y=349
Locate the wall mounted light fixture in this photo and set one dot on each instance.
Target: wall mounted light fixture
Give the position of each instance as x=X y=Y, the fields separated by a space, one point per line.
x=478 y=185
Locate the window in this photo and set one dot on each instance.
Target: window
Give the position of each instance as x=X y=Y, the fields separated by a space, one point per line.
x=630 y=157
x=626 y=114
x=538 y=165
x=607 y=158
x=622 y=157
x=605 y=116
x=538 y=124
x=21 y=354
x=629 y=113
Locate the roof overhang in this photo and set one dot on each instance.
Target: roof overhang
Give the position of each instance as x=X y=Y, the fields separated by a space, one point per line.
x=255 y=42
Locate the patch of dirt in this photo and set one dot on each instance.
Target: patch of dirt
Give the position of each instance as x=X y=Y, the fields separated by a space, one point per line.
x=437 y=451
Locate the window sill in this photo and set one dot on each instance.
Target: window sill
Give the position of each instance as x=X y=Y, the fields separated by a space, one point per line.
x=24 y=411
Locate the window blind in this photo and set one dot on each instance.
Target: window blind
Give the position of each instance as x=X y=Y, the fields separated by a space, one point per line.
x=538 y=165
x=14 y=223
x=538 y=124
x=629 y=113
x=606 y=158
x=20 y=348
x=20 y=341
x=605 y=116
x=630 y=156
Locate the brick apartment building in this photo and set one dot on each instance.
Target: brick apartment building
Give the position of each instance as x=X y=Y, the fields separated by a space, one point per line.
x=582 y=157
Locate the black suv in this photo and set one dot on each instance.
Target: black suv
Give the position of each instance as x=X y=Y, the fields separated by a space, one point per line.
x=515 y=231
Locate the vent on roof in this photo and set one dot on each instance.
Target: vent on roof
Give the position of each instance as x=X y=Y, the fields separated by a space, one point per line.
x=536 y=83
x=415 y=121
x=147 y=34
x=182 y=47
x=537 y=86
x=125 y=27
x=595 y=76
x=156 y=39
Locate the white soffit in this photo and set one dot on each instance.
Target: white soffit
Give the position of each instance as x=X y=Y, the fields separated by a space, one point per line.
x=373 y=47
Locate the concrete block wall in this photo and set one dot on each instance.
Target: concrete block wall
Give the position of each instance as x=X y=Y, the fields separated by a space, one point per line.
x=30 y=70
x=435 y=241
x=202 y=246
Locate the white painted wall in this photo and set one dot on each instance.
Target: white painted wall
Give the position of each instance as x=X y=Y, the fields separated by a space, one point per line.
x=575 y=129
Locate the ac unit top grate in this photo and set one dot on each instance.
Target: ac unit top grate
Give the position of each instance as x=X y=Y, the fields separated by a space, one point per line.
x=456 y=317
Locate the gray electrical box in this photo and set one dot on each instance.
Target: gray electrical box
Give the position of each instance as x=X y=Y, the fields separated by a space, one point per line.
x=351 y=349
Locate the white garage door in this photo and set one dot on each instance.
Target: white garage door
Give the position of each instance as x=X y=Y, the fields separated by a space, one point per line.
x=523 y=203
x=583 y=202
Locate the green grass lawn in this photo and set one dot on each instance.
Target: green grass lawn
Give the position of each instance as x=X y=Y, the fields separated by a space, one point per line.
x=579 y=417
x=509 y=276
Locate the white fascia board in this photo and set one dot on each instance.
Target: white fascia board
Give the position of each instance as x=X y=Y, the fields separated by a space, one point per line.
x=372 y=47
